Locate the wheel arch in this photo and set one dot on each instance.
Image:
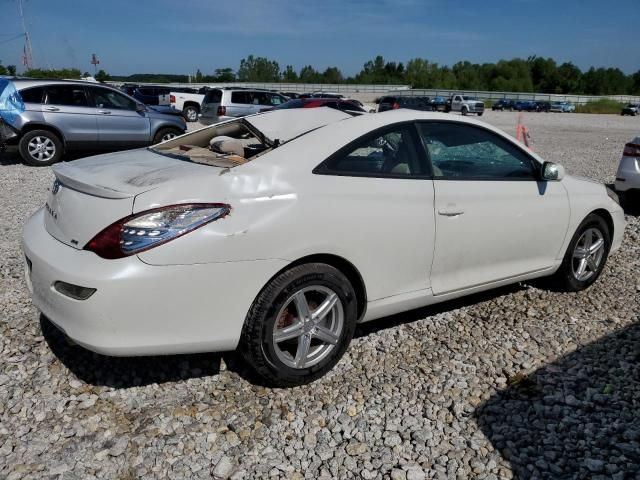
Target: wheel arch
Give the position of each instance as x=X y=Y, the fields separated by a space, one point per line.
x=344 y=266
x=190 y=103
x=30 y=127
x=606 y=216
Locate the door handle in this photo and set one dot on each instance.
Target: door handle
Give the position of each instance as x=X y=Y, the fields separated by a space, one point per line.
x=104 y=112
x=450 y=212
x=52 y=109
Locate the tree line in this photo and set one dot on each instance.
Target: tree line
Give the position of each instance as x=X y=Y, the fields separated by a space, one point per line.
x=534 y=74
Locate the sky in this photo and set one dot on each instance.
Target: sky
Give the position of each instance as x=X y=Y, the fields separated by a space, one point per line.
x=171 y=36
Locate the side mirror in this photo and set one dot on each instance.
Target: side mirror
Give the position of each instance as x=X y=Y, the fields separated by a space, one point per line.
x=552 y=172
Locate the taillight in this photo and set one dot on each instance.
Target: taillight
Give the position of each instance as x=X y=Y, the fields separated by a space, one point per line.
x=222 y=111
x=395 y=106
x=631 y=150
x=145 y=230
x=172 y=99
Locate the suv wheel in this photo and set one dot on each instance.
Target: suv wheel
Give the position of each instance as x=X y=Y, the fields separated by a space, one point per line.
x=465 y=110
x=165 y=134
x=191 y=113
x=40 y=148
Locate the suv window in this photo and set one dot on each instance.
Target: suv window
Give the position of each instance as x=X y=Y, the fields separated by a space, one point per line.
x=389 y=152
x=464 y=152
x=213 y=96
x=68 y=95
x=105 y=98
x=241 y=97
x=32 y=95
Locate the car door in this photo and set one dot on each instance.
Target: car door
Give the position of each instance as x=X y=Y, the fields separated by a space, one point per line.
x=120 y=122
x=241 y=104
x=382 y=191
x=456 y=102
x=67 y=108
x=494 y=219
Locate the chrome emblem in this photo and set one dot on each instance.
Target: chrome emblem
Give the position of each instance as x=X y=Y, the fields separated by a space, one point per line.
x=56 y=186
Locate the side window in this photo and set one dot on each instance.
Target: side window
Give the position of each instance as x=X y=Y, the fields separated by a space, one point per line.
x=67 y=95
x=241 y=97
x=387 y=153
x=32 y=95
x=464 y=152
x=276 y=99
x=105 y=98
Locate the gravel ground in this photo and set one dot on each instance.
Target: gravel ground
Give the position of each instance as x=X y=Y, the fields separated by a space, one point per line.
x=514 y=383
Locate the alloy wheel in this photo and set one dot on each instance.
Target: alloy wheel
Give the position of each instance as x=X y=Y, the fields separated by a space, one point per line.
x=168 y=136
x=588 y=254
x=308 y=327
x=41 y=148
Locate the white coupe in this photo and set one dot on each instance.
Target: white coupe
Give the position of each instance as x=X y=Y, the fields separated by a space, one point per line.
x=275 y=234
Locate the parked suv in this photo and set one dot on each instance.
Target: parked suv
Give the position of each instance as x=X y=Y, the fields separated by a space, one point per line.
x=412 y=103
x=51 y=117
x=220 y=104
x=503 y=104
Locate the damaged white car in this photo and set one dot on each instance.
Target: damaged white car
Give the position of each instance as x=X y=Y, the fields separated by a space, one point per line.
x=275 y=234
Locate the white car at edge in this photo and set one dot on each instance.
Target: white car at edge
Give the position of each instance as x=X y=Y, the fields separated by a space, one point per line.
x=275 y=234
x=628 y=174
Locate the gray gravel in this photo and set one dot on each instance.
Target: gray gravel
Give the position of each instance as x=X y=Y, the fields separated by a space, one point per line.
x=514 y=383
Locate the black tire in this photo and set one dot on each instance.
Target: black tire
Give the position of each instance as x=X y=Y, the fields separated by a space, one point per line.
x=564 y=279
x=190 y=113
x=163 y=134
x=464 y=111
x=480 y=114
x=257 y=346
x=51 y=152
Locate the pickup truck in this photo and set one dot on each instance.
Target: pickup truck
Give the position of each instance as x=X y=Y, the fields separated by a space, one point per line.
x=465 y=105
x=187 y=103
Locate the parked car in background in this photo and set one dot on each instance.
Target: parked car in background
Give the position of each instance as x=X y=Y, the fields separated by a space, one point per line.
x=503 y=104
x=438 y=104
x=150 y=95
x=188 y=103
x=290 y=95
x=542 y=106
x=337 y=103
x=524 y=106
x=631 y=109
x=400 y=101
x=465 y=104
x=61 y=116
x=628 y=175
x=221 y=104
x=563 y=107
x=129 y=88
x=321 y=94
x=211 y=241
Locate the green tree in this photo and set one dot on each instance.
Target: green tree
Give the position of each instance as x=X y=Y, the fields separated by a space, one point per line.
x=258 y=69
x=198 y=76
x=64 y=73
x=102 y=76
x=332 y=75
x=308 y=74
x=289 y=74
x=11 y=69
x=570 y=78
x=3 y=70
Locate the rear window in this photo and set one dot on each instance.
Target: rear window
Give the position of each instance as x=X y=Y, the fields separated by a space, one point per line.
x=241 y=97
x=32 y=95
x=213 y=96
x=69 y=95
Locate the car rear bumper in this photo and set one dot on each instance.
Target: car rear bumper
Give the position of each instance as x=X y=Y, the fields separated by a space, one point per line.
x=628 y=175
x=140 y=309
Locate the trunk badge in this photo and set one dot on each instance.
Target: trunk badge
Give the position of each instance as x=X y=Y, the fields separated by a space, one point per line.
x=56 y=186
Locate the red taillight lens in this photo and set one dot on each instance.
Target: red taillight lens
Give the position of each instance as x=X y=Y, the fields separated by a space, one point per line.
x=631 y=150
x=145 y=230
x=172 y=99
x=395 y=106
x=222 y=111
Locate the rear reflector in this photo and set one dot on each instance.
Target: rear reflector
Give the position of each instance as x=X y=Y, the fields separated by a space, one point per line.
x=631 y=150
x=222 y=111
x=396 y=106
x=172 y=98
x=73 y=291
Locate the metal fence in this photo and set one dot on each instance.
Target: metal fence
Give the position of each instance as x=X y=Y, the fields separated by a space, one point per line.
x=493 y=96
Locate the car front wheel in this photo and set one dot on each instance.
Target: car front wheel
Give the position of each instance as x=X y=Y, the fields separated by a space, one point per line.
x=300 y=325
x=191 y=113
x=40 y=148
x=165 y=134
x=586 y=256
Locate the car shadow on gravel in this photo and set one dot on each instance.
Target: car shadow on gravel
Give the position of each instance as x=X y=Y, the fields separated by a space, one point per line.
x=578 y=417
x=125 y=372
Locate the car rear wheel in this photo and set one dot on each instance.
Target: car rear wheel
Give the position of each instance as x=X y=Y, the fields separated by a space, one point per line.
x=165 y=134
x=465 y=110
x=191 y=113
x=586 y=256
x=300 y=325
x=40 y=148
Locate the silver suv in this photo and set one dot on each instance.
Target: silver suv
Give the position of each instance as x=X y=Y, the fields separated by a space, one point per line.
x=51 y=117
x=221 y=104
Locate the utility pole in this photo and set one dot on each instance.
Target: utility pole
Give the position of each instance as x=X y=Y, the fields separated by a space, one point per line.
x=27 y=58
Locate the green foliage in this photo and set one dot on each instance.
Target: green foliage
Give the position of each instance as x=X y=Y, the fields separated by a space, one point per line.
x=64 y=73
x=102 y=76
x=603 y=105
x=258 y=69
x=3 y=70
